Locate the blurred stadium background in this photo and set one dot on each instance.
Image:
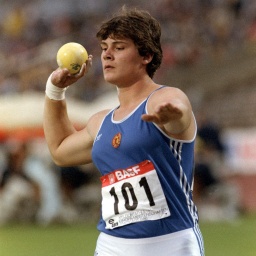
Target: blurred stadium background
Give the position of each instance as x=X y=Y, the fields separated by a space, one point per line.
x=209 y=52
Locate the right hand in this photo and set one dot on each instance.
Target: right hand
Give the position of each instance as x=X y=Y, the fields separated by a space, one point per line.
x=62 y=78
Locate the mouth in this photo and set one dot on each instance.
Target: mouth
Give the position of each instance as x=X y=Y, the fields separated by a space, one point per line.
x=107 y=67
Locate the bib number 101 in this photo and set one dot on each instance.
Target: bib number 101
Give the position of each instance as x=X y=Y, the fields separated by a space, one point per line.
x=128 y=188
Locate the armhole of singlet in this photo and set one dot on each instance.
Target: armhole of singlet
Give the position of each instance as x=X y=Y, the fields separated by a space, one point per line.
x=103 y=119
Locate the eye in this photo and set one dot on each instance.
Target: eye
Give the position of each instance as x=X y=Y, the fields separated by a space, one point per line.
x=103 y=47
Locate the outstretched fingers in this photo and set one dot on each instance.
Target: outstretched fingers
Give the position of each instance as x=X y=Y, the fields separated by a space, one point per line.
x=163 y=113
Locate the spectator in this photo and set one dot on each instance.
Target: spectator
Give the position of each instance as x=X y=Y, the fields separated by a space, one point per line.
x=19 y=195
x=216 y=198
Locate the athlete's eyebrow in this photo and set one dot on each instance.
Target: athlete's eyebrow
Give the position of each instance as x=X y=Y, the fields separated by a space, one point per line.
x=114 y=42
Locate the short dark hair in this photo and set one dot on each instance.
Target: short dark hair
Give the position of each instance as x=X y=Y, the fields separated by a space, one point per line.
x=141 y=28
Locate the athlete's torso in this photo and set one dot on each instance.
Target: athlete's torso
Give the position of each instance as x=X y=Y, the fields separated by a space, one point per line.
x=128 y=143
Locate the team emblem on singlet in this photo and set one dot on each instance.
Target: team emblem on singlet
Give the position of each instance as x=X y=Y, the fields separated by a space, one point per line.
x=116 y=141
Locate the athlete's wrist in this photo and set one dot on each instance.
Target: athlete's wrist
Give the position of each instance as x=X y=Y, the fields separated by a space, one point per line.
x=54 y=92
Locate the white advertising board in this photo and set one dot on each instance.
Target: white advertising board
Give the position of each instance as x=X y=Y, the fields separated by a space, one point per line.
x=240 y=154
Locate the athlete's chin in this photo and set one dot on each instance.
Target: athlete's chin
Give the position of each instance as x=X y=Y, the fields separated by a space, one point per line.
x=110 y=79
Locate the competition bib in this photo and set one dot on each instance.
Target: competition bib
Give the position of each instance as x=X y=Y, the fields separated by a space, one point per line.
x=132 y=195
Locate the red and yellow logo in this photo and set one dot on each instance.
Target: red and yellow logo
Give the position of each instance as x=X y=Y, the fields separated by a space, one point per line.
x=116 y=141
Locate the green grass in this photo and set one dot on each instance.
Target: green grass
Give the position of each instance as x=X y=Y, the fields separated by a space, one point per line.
x=221 y=239
x=230 y=238
x=59 y=240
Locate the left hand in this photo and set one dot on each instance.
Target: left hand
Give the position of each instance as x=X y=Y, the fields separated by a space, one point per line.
x=163 y=113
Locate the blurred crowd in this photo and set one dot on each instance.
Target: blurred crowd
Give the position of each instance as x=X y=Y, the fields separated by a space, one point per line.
x=192 y=31
x=31 y=31
x=33 y=189
x=217 y=198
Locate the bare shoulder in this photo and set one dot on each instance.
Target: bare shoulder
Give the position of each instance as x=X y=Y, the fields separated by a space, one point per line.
x=95 y=121
x=171 y=90
x=167 y=93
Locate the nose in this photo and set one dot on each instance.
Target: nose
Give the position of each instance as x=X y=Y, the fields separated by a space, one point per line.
x=107 y=55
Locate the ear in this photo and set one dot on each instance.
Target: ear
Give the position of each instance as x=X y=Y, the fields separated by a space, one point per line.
x=147 y=59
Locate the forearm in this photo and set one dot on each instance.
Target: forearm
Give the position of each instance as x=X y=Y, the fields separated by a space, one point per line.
x=67 y=146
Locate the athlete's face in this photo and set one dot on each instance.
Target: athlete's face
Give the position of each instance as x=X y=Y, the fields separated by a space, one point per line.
x=122 y=64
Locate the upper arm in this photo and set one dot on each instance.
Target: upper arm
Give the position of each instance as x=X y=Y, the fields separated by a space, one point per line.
x=180 y=125
x=76 y=148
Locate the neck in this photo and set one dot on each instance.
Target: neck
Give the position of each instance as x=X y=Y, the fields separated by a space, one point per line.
x=132 y=94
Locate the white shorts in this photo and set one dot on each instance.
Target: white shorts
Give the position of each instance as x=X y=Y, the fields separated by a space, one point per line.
x=182 y=243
